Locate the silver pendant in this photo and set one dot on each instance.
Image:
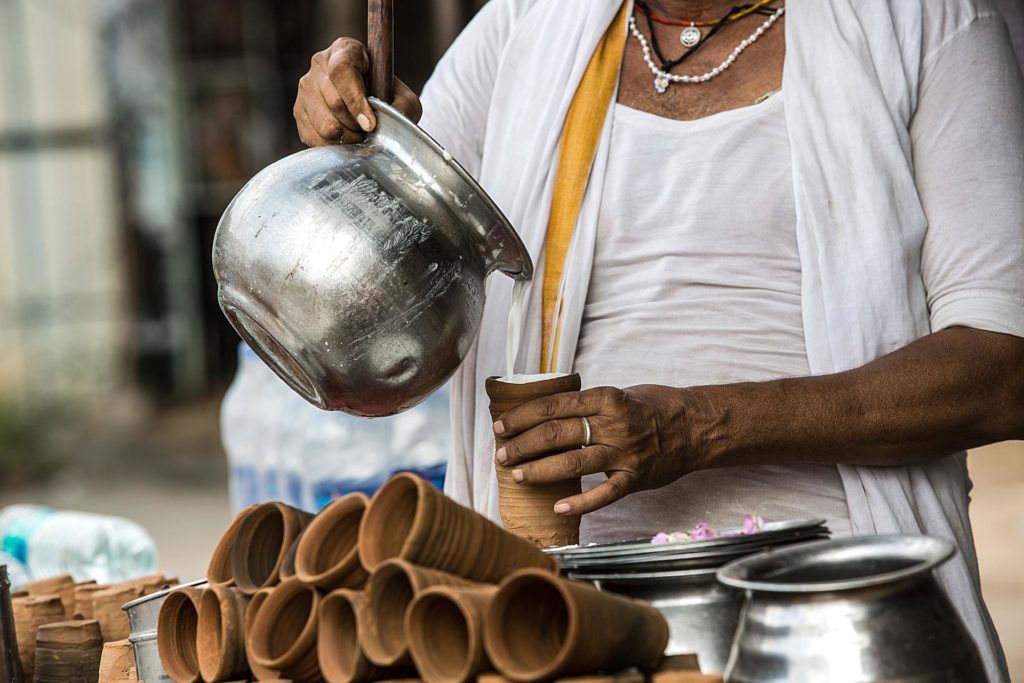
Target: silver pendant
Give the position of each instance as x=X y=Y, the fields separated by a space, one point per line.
x=661 y=83
x=690 y=36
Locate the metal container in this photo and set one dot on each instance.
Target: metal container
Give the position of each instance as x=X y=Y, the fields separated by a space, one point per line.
x=142 y=618
x=852 y=610
x=701 y=613
x=357 y=271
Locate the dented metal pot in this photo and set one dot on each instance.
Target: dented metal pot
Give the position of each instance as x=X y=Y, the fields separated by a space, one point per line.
x=357 y=271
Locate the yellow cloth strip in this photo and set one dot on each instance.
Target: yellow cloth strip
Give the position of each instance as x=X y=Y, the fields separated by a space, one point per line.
x=581 y=133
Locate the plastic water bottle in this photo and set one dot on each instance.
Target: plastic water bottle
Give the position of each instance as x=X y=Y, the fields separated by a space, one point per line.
x=16 y=572
x=421 y=438
x=51 y=542
x=236 y=422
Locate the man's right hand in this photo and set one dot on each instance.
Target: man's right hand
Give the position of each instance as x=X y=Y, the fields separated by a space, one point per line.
x=331 y=105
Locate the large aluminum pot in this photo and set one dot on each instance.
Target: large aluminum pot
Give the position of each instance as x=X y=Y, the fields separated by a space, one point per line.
x=701 y=613
x=357 y=272
x=851 y=610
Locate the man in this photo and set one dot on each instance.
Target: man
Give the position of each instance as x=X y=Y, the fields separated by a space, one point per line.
x=795 y=284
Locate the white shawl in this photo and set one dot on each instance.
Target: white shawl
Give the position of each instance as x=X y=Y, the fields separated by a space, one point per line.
x=851 y=76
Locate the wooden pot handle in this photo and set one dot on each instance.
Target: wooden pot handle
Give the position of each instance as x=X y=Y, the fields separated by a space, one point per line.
x=380 y=41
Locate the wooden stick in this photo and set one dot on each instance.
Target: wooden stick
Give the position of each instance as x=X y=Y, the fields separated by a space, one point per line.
x=380 y=41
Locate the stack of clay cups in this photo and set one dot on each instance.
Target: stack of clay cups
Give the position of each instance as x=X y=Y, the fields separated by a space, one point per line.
x=431 y=598
x=201 y=634
x=401 y=585
x=527 y=510
x=68 y=652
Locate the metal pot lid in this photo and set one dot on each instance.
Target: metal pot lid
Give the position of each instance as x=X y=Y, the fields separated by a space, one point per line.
x=836 y=565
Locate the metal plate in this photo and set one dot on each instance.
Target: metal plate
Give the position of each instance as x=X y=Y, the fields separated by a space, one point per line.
x=774 y=532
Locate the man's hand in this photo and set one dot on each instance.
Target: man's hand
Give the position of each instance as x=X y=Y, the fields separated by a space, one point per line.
x=331 y=104
x=640 y=438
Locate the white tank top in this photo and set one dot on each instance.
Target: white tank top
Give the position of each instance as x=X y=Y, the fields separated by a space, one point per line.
x=696 y=280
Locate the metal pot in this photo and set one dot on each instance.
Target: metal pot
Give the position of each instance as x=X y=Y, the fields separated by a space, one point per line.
x=701 y=613
x=356 y=272
x=851 y=610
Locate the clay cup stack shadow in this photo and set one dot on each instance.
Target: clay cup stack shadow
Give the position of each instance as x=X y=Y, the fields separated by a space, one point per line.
x=409 y=584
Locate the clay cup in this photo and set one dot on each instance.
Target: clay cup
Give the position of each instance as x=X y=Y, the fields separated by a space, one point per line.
x=328 y=552
x=283 y=636
x=220 y=638
x=410 y=519
x=445 y=629
x=341 y=656
x=261 y=543
x=542 y=627
x=176 y=630
x=527 y=510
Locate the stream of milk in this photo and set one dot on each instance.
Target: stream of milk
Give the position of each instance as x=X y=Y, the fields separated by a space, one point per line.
x=515 y=325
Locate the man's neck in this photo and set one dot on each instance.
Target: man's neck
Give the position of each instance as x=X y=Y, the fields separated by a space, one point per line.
x=695 y=10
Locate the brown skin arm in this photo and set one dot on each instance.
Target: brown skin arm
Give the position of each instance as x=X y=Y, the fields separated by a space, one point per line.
x=948 y=391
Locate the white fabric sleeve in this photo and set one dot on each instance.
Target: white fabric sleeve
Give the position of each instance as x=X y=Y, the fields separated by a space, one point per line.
x=968 y=146
x=457 y=96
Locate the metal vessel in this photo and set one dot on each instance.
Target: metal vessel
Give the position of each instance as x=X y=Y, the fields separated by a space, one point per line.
x=142 y=618
x=852 y=610
x=701 y=613
x=357 y=272
x=678 y=578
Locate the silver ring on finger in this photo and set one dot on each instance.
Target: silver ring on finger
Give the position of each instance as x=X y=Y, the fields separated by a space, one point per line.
x=587 y=432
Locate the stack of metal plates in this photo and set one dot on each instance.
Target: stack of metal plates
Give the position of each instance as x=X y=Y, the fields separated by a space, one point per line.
x=642 y=560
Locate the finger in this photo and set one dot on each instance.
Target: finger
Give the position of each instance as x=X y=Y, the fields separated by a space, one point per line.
x=617 y=485
x=406 y=101
x=569 y=465
x=346 y=68
x=547 y=437
x=334 y=101
x=532 y=413
x=307 y=132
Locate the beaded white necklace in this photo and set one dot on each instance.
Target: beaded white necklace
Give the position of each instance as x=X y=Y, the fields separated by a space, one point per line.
x=663 y=78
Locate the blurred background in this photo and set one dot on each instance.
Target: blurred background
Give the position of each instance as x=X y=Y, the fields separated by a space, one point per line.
x=126 y=126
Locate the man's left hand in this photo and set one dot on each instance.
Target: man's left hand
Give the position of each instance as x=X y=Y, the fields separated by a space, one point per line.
x=640 y=438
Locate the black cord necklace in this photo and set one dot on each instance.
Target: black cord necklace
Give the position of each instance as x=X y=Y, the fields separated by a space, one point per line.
x=666 y=64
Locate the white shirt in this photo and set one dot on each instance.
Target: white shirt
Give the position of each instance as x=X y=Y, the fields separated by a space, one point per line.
x=696 y=281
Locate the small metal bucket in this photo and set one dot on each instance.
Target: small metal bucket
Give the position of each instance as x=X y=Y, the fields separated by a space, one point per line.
x=142 y=616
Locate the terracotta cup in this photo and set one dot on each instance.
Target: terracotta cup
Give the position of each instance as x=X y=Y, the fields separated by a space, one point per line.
x=445 y=629
x=261 y=543
x=106 y=609
x=218 y=572
x=283 y=635
x=342 y=659
x=220 y=635
x=83 y=599
x=389 y=592
x=63 y=586
x=260 y=673
x=31 y=612
x=541 y=627
x=117 y=662
x=527 y=510
x=410 y=519
x=68 y=652
x=328 y=552
x=176 y=629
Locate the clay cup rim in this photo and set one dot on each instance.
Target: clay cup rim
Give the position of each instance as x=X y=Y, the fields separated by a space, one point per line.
x=421 y=632
x=268 y=620
x=391 y=527
x=338 y=648
x=179 y=612
x=247 y=577
x=516 y=591
x=315 y=563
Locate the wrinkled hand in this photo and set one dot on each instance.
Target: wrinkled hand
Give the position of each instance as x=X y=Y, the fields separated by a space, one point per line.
x=640 y=438
x=331 y=104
